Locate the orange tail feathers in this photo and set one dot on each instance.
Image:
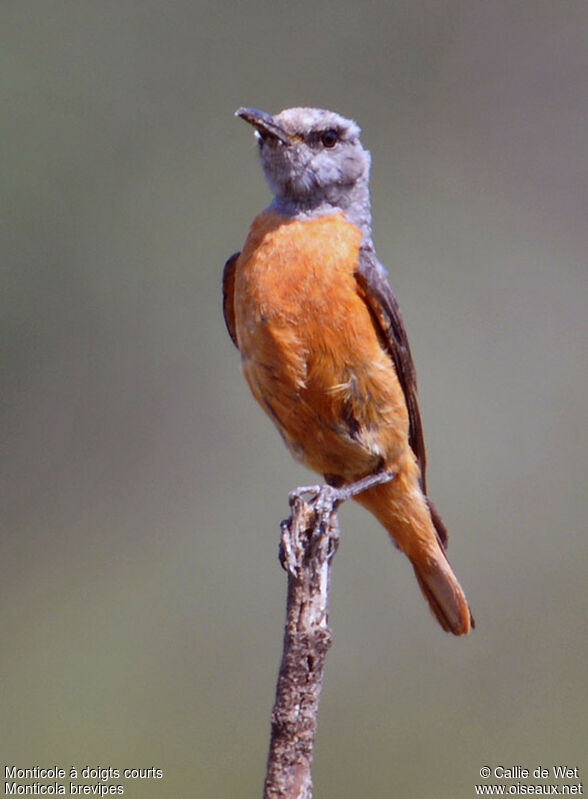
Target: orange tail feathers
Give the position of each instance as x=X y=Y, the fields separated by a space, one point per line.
x=418 y=531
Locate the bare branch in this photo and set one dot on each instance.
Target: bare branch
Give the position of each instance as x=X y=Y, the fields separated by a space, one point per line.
x=309 y=539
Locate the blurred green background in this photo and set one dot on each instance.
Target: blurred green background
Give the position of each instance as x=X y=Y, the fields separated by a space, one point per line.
x=142 y=602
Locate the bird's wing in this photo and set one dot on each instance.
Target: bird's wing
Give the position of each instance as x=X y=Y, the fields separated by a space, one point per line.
x=229 y=297
x=376 y=292
x=374 y=287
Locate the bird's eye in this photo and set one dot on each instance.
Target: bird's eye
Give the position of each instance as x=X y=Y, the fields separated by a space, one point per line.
x=330 y=138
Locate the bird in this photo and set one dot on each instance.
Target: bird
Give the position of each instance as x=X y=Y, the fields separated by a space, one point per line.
x=322 y=342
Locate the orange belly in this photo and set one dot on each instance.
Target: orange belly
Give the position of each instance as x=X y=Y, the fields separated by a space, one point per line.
x=310 y=351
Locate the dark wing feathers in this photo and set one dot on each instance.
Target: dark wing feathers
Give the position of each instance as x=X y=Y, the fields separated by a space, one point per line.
x=229 y=297
x=384 y=307
x=373 y=282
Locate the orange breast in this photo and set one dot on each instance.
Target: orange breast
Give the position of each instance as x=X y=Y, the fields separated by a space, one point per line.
x=309 y=347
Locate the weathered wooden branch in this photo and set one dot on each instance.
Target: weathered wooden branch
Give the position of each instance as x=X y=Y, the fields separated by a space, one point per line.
x=309 y=539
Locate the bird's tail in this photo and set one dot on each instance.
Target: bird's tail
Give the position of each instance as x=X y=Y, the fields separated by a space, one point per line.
x=444 y=594
x=417 y=529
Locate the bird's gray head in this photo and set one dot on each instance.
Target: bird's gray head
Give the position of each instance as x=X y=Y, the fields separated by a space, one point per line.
x=313 y=161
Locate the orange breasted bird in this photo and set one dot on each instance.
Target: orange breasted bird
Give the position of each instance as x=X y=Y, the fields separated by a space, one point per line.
x=322 y=342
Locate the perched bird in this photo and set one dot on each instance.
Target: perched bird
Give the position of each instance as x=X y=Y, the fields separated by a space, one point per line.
x=322 y=341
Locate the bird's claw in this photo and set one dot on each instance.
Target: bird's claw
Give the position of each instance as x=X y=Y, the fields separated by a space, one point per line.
x=298 y=493
x=323 y=502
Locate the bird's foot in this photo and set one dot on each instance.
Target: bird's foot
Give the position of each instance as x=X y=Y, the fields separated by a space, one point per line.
x=329 y=497
x=320 y=514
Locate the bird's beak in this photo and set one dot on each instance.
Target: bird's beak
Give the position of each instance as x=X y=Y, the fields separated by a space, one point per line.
x=264 y=123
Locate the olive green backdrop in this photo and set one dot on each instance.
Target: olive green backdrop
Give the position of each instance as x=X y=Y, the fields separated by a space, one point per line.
x=142 y=602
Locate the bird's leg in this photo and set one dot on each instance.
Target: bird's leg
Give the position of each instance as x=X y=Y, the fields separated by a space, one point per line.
x=320 y=509
x=331 y=496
